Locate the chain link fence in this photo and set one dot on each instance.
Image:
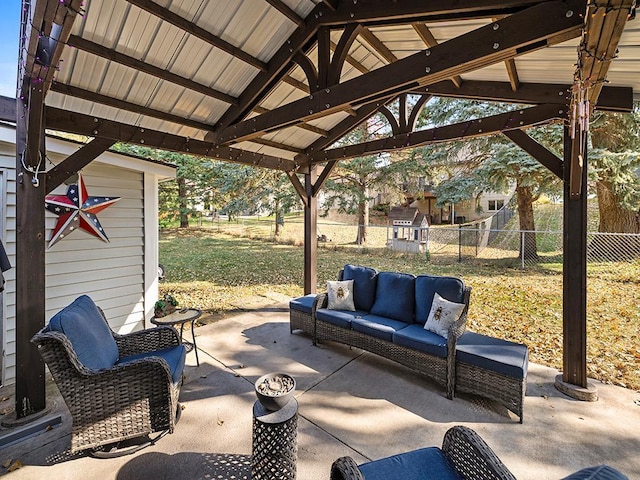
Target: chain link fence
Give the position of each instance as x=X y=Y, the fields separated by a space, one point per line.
x=443 y=244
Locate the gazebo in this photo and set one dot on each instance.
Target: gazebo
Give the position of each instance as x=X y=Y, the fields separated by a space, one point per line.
x=275 y=83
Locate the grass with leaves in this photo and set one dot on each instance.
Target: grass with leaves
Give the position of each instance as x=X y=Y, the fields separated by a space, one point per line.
x=214 y=272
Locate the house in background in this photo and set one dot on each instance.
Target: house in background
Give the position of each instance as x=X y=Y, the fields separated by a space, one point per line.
x=120 y=275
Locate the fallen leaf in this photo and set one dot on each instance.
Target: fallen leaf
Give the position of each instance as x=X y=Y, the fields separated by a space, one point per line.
x=220 y=422
x=15 y=465
x=7 y=462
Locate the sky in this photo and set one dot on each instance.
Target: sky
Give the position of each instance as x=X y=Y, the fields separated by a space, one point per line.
x=9 y=32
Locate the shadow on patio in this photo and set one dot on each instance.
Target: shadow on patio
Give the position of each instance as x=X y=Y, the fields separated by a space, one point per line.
x=350 y=403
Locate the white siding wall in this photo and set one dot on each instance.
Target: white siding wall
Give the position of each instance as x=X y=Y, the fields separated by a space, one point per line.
x=114 y=274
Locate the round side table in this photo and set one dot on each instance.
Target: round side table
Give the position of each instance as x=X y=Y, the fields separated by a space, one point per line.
x=275 y=442
x=180 y=317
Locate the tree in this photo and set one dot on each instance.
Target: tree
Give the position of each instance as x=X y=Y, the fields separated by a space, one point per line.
x=352 y=181
x=615 y=163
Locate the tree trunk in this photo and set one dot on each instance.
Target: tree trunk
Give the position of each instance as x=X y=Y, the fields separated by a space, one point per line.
x=182 y=202
x=363 y=216
x=527 y=222
x=614 y=218
x=279 y=219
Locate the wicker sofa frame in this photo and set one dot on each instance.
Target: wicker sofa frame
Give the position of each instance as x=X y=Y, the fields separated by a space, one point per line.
x=467 y=452
x=440 y=369
x=126 y=401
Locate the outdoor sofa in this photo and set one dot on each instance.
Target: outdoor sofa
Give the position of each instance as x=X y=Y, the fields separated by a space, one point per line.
x=116 y=387
x=388 y=318
x=464 y=456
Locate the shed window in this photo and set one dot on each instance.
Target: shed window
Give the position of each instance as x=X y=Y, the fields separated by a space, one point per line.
x=495 y=205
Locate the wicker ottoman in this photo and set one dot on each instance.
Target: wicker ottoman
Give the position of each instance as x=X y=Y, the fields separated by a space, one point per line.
x=492 y=368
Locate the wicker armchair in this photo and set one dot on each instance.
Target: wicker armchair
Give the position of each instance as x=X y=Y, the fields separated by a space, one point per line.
x=112 y=395
x=463 y=455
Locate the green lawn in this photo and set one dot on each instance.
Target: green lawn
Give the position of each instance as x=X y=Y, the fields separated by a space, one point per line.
x=216 y=271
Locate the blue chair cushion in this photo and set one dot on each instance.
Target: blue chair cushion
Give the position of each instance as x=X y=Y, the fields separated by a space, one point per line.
x=395 y=296
x=600 y=472
x=423 y=464
x=86 y=329
x=341 y=318
x=364 y=285
x=379 y=327
x=174 y=356
x=416 y=337
x=449 y=288
x=303 y=304
x=493 y=354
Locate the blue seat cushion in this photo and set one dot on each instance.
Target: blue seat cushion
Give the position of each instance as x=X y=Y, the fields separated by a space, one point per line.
x=449 y=288
x=341 y=318
x=303 y=304
x=424 y=464
x=416 y=337
x=395 y=296
x=364 y=285
x=174 y=356
x=493 y=354
x=86 y=329
x=376 y=326
x=600 y=472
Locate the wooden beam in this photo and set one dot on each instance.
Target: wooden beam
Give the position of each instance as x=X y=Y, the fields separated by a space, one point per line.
x=91 y=126
x=537 y=151
x=512 y=71
x=352 y=61
x=378 y=46
x=532 y=29
x=430 y=41
x=614 y=99
x=128 y=106
x=340 y=53
x=287 y=12
x=278 y=145
x=192 y=29
x=574 y=306
x=305 y=126
x=323 y=177
x=310 y=234
x=76 y=161
x=299 y=188
x=117 y=57
x=30 y=249
x=470 y=129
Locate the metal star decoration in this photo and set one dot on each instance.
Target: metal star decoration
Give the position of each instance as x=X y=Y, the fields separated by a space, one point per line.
x=76 y=210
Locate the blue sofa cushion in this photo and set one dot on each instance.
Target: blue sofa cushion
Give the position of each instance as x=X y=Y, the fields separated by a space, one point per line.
x=600 y=472
x=494 y=354
x=174 y=356
x=341 y=318
x=303 y=304
x=364 y=285
x=416 y=337
x=376 y=326
x=449 y=288
x=86 y=329
x=395 y=296
x=423 y=464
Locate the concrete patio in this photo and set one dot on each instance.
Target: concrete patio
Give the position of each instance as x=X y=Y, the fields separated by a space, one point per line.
x=350 y=403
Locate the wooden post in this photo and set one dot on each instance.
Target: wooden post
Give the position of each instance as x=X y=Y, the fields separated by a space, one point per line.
x=310 y=233
x=30 y=250
x=573 y=380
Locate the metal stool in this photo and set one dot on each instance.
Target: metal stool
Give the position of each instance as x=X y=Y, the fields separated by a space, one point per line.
x=275 y=442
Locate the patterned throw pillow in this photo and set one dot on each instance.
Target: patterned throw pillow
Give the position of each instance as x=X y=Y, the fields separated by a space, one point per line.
x=443 y=314
x=340 y=295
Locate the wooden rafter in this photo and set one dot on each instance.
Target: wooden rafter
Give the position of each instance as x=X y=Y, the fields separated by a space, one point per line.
x=278 y=145
x=537 y=151
x=618 y=99
x=430 y=41
x=91 y=126
x=535 y=28
x=191 y=28
x=352 y=61
x=305 y=126
x=465 y=130
x=286 y=11
x=115 y=56
x=341 y=51
x=375 y=43
x=512 y=71
x=128 y=106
